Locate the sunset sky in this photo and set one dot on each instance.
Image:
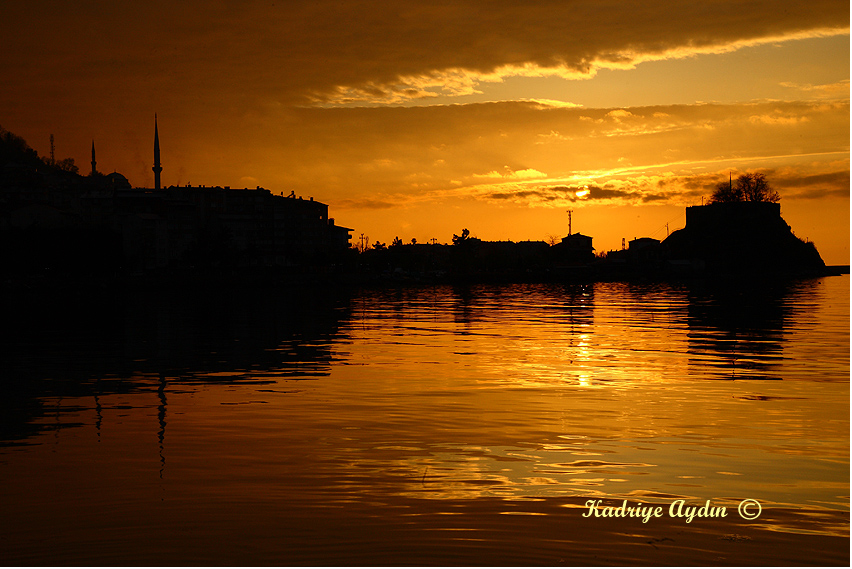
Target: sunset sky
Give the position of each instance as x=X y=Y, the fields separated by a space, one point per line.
x=418 y=119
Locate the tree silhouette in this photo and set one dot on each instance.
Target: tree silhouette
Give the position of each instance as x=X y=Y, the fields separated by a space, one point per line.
x=748 y=188
x=459 y=239
x=67 y=165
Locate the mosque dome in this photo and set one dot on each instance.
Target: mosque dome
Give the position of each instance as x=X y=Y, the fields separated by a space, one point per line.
x=118 y=181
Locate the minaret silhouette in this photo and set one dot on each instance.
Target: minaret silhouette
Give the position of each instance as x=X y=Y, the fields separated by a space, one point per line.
x=94 y=163
x=157 y=168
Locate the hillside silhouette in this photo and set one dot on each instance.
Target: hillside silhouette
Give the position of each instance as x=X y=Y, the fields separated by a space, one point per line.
x=741 y=237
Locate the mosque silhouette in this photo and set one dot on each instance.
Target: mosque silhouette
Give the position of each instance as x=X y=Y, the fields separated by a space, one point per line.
x=56 y=220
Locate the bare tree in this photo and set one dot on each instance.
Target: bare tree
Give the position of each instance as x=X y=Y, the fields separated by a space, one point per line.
x=748 y=188
x=755 y=188
x=67 y=165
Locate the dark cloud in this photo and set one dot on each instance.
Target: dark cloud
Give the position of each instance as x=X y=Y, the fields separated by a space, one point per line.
x=307 y=50
x=692 y=185
x=831 y=178
x=822 y=192
x=384 y=43
x=365 y=204
x=792 y=183
x=587 y=194
x=610 y=192
x=830 y=184
x=520 y=195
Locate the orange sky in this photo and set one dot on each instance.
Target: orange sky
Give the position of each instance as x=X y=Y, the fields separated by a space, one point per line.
x=418 y=119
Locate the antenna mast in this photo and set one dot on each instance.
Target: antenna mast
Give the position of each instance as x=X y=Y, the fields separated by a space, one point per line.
x=157 y=167
x=52 y=150
x=569 y=221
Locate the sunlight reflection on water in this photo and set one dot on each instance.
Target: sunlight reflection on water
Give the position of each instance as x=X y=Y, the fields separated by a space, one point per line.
x=451 y=394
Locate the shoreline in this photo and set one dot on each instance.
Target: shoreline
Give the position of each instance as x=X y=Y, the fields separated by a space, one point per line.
x=47 y=284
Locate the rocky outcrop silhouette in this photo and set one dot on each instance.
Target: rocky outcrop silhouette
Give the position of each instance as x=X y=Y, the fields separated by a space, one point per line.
x=746 y=237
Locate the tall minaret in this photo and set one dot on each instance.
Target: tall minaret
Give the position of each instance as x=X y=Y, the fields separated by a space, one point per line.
x=157 y=168
x=94 y=163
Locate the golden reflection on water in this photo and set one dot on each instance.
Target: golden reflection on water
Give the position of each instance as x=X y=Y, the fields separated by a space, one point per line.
x=519 y=360
x=452 y=395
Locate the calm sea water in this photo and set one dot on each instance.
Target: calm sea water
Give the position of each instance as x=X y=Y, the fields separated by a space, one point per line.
x=421 y=425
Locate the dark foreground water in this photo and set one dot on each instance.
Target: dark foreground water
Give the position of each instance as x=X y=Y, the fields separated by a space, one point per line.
x=433 y=425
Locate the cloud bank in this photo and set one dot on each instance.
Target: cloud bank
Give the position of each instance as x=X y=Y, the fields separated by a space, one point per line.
x=324 y=51
x=524 y=153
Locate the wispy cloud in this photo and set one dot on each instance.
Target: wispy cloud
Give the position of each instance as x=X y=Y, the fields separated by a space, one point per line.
x=525 y=154
x=677 y=189
x=838 y=90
